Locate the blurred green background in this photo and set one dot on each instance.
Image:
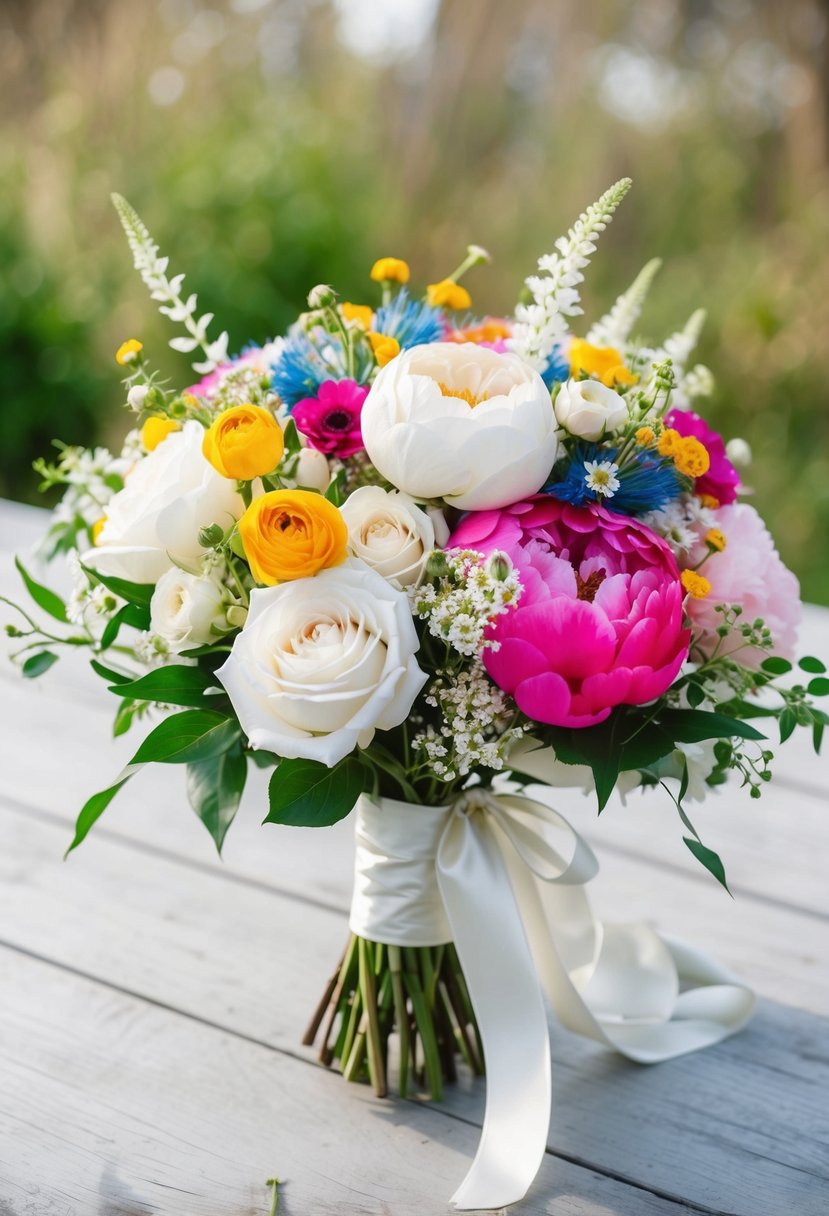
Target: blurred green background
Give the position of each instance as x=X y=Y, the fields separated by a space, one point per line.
x=273 y=144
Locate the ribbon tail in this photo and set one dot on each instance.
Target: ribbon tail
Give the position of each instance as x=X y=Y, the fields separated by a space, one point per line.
x=503 y=985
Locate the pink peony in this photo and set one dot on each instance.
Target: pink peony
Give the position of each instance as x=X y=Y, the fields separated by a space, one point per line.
x=331 y=420
x=748 y=572
x=599 y=621
x=722 y=479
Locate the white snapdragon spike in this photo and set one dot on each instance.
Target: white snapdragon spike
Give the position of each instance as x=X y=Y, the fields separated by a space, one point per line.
x=460 y=422
x=590 y=410
x=324 y=662
x=678 y=348
x=154 y=522
x=153 y=270
x=542 y=325
x=616 y=326
x=390 y=533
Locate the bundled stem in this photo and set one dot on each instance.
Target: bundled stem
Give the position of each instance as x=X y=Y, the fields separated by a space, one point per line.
x=413 y=999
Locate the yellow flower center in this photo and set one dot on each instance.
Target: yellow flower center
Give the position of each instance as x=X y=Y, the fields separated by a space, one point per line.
x=716 y=539
x=465 y=394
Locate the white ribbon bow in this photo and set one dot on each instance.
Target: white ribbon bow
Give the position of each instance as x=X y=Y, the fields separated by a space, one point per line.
x=487 y=874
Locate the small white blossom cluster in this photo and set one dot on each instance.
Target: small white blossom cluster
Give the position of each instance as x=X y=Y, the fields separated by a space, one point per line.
x=681 y=522
x=90 y=606
x=91 y=476
x=477 y=724
x=542 y=325
x=247 y=381
x=470 y=594
x=152 y=649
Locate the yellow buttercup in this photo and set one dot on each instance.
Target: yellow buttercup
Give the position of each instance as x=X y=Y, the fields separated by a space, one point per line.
x=244 y=442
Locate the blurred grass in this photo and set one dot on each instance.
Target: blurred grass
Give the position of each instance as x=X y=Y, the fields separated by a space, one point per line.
x=266 y=156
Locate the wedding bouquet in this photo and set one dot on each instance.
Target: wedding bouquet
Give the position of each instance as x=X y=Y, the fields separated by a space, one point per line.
x=415 y=561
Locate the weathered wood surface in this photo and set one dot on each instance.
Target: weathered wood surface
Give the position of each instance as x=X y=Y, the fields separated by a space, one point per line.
x=152 y=1000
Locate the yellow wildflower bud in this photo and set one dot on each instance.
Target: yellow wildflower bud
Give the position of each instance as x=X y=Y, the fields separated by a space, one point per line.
x=244 y=442
x=156 y=429
x=290 y=534
x=361 y=313
x=448 y=294
x=128 y=351
x=604 y=362
x=708 y=500
x=645 y=436
x=715 y=539
x=668 y=441
x=695 y=584
x=97 y=528
x=384 y=347
x=691 y=457
x=390 y=270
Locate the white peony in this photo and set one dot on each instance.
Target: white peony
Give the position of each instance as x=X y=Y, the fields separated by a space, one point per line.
x=184 y=607
x=322 y=663
x=460 y=422
x=589 y=409
x=390 y=533
x=154 y=522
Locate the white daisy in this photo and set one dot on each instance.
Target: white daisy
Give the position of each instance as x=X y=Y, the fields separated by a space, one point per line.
x=601 y=477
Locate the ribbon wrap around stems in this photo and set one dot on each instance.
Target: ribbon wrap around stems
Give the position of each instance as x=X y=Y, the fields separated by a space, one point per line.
x=491 y=873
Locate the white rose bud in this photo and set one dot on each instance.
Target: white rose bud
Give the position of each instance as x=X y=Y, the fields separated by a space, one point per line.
x=739 y=453
x=184 y=608
x=137 y=396
x=389 y=532
x=589 y=410
x=312 y=470
x=324 y=662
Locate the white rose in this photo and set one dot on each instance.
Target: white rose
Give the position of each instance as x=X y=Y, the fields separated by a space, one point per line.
x=312 y=470
x=389 y=532
x=460 y=422
x=322 y=663
x=185 y=606
x=154 y=522
x=589 y=409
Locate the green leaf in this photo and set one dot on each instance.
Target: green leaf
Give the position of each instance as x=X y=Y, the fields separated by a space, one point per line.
x=108 y=673
x=186 y=738
x=130 y=614
x=817 y=735
x=95 y=806
x=696 y=725
x=42 y=596
x=788 y=721
x=748 y=709
x=709 y=859
x=133 y=593
x=696 y=696
x=306 y=794
x=214 y=788
x=811 y=664
x=819 y=687
x=776 y=666
x=36 y=664
x=173 y=685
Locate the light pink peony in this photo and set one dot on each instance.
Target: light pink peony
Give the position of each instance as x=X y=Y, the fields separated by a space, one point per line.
x=748 y=572
x=599 y=621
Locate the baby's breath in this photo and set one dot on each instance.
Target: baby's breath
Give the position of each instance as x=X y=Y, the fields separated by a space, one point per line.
x=470 y=592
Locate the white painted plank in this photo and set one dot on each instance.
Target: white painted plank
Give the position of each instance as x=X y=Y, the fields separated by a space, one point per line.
x=253 y=962
x=113 y=1107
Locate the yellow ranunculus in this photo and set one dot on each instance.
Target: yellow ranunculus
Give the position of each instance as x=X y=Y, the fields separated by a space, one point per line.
x=390 y=270
x=244 y=442
x=128 y=351
x=156 y=429
x=385 y=348
x=361 y=313
x=448 y=294
x=604 y=362
x=290 y=534
x=691 y=457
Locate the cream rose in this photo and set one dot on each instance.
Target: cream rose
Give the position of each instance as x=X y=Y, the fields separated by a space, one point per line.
x=460 y=422
x=185 y=607
x=154 y=522
x=390 y=533
x=589 y=409
x=324 y=662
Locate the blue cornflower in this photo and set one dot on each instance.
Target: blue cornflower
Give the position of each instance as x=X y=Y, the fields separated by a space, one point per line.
x=302 y=367
x=557 y=369
x=411 y=322
x=646 y=481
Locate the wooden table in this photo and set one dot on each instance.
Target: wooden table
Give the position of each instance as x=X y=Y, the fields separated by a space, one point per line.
x=152 y=1000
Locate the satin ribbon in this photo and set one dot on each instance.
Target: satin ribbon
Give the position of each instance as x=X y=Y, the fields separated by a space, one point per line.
x=503 y=876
